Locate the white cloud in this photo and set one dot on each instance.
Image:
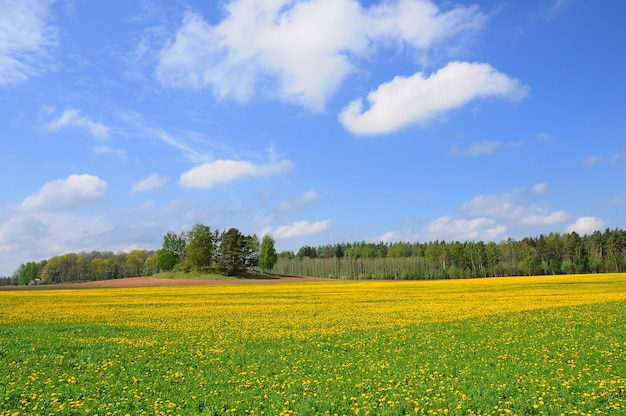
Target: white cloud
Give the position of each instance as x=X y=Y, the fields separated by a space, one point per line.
x=25 y=37
x=586 y=225
x=477 y=149
x=298 y=229
x=509 y=206
x=449 y=228
x=210 y=174
x=408 y=100
x=588 y=162
x=544 y=218
x=501 y=206
x=617 y=201
x=617 y=158
x=20 y=231
x=301 y=202
x=72 y=118
x=544 y=137
x=106 y=150
x=540 y=188
x=20 y=241
x=71 y=192
x=153 y=181
x=301 y=51
x=556 y=8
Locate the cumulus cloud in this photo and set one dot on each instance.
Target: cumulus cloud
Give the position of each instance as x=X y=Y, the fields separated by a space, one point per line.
x=153 y=181
x=485 y=147
x=73 y=118
x=501 y=206
x=74 y=191
x=20 y=231
x=544 y=218
x=509 y=206
x=21 y=240
x=210 y=174
x=449 y=228
x=417 y=99
x=299 y=229
x=586 y=225
x=25 y=37
x=301 y=50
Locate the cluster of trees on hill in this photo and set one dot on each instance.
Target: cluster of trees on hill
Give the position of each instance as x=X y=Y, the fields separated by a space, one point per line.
x=232 y=253
x=199 y=249
x=229 y=252
x=547 y=254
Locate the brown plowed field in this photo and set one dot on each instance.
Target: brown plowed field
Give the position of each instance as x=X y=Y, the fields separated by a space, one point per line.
x=153 y=282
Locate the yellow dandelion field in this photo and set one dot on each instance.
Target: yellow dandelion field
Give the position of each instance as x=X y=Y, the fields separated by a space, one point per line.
x=528 y=345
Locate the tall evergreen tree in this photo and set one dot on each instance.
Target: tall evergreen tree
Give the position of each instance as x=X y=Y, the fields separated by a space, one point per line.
x=231 y=253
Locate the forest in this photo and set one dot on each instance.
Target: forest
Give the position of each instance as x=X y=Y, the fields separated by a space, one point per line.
x=233 y=253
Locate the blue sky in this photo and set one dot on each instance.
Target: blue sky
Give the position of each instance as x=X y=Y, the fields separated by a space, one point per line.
x=319 y=121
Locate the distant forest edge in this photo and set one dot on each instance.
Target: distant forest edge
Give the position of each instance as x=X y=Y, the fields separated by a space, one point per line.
x=232 y=253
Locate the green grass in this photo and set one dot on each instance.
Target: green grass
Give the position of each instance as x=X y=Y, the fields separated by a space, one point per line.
x=249 y=274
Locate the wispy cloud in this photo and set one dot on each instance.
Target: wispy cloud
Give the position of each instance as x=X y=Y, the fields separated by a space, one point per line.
x=150 y=183
x=557 y=7
x=540 y=188
x=26 y=36
x=485 y=147
x=300 y=202
x=618 y=158
x=106 y=150
x=617 y=201
x=191 y=149
x=588 y=162
x=72 y=118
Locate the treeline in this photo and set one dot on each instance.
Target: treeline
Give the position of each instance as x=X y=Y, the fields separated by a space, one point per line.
x=232 y=253
x=228 y=252
x=554 y=253
x=84 y=267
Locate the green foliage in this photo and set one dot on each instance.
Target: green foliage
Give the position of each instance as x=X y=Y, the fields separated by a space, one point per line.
x=547 y=254
x=267 y=255
x=175 y=244
x=232 y=253
x=166 y=260
x=200 y=247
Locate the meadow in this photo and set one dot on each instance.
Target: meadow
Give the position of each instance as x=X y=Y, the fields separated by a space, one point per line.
x=552 y=345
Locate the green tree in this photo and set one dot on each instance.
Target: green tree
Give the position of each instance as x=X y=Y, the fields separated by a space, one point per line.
x=200 y=247
x=166 y=260
x=231 y=253
x=267 y=255
x=252 y=248
x=172 y=252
